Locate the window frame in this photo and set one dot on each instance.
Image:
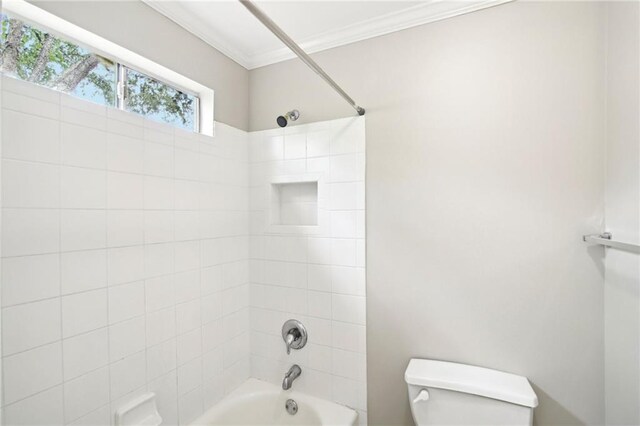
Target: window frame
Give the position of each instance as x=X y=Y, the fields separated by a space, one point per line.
x=204 y=121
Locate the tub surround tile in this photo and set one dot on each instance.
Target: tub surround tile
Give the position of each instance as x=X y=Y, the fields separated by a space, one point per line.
x=135 y=257
x=93 y=248
x=30 y=325
x=30 y=372
x=85 y=353
x=30 y=278
x=318 y=278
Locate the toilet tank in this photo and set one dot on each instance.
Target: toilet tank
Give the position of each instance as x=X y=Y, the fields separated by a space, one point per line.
x=446 y=393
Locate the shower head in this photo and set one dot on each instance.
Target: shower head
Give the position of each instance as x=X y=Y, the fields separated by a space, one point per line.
x=292 y=115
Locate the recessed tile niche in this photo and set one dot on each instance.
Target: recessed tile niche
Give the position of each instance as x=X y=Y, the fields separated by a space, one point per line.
x=294 y=203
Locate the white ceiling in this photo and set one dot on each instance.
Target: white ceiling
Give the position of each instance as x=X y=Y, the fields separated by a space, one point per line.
x=314 y=25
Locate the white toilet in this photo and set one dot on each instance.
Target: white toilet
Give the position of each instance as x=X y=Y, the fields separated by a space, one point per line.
x=446 y=393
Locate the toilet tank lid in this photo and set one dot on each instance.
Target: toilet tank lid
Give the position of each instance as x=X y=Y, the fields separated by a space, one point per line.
x=470 y=379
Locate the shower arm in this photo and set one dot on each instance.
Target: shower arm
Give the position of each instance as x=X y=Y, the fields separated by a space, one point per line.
x=288 y=41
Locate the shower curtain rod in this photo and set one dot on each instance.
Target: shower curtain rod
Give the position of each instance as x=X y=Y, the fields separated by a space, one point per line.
x=277 y=31
x=606 y=239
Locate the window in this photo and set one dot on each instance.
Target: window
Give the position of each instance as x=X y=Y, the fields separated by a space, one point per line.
x=40 y=57
x=156 y=100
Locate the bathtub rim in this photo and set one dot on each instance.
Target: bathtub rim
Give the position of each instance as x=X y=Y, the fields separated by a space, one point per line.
x=253 y=387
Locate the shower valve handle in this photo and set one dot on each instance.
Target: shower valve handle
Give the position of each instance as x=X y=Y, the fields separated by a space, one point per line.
x=289 y=340
x=294 y=335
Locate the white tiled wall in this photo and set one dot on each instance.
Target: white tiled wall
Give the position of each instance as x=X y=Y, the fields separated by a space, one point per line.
x=314 y=275
x=124 y=261
x=136 y=257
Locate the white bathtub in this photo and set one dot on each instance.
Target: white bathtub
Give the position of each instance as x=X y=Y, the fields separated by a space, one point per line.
x=260 y=403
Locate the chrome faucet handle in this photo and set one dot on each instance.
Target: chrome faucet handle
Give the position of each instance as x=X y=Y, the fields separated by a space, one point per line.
x=294 y=335
x=289 y=340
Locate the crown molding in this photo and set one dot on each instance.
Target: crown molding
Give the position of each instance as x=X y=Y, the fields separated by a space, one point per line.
x=431 y=11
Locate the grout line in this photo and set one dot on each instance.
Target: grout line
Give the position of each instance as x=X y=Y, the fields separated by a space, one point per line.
x=120 y=284
x=62 y=370
x=2 y=375
x=37 y=393
x=144 y=238
x=130 y=246
x=173 y=287
x=106 y=195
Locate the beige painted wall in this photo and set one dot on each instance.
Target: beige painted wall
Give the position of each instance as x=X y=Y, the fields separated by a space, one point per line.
x=622 y=214
x=163 y=41
x=484 y=168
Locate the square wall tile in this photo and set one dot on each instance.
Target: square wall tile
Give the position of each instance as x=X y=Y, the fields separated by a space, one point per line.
x=29 y=105
x=83 y=146
x=319 y=278
x=27 y=232
x=70 y=101
x=85 y=352
x=348 y=280
x=344 y=168
x=318 y=144
x=30 y=278
x=30 y=325
x=100 y=417
x=29 y=137
x=25 y=88
x=165 y=388
x=125 y=264
x=126 y=338
x=161 y=326
x=189 y=376
x=189 y=346
x=30 y=372
x=158 y=193
x=158 y=259
x=125 y=154
x=30 y=185
x=187 y=255
x=161 y=359
x=343 y=252
x=159 y=293
x=188 y=316
x=158 y=159
x=158 y=227
x=128 y=375
x=126 y=301
x=83 y=229
x=343 y=224
x=125 y=191
x=45 y=408
x=125 y=228
x=319 y=304
x=85 y=394
x=83 y=270
x=84 y=312
x=86 y=116
x=83 y=188
x=190 y=406
x=351 y=309
x=186 y=164
x=295 y=146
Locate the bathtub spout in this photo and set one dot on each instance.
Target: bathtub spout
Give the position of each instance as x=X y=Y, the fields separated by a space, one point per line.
x=293 y=373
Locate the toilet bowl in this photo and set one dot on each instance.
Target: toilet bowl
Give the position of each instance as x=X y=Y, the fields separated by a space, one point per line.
x=447 y=393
